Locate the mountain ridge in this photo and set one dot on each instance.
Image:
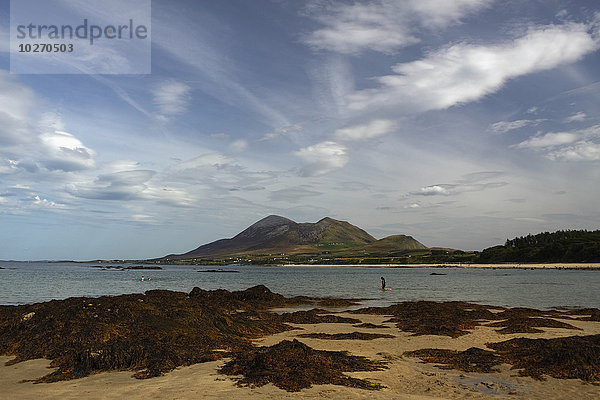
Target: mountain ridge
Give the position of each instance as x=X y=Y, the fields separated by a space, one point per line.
x=277 y=234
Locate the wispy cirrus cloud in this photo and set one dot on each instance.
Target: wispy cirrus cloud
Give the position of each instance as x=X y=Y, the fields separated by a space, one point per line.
x=577 y=117
x=465 y=72
x=474 y=182
x=507 y=126
x=171 y=98
x=369 y=130
x=384 y=26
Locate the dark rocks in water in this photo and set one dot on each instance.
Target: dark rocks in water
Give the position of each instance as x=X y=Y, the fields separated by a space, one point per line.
x=470 y=360
x=144 y=267
x=436 y=274
x=345 y=336
x=566 y=357
x=292 y=366
x=453 y=318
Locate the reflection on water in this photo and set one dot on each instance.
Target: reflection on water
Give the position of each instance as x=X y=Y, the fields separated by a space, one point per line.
x=35 y=282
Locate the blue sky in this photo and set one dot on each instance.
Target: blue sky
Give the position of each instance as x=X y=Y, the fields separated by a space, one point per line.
x=460 y=123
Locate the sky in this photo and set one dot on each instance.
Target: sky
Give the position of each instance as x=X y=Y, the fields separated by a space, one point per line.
x=461 y=123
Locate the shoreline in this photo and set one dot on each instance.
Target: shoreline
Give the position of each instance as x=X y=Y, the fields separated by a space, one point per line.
x=567 y=266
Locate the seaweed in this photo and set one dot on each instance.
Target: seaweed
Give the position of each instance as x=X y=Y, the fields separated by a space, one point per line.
x=345 y=336
x=369 y=325
x=315 y=316
x=566 y=357
x=569 y=357
x=470 y=360
x=594 y=314
x=453 y=318
x=292 y=366
x=527 y=325
x=150 y=333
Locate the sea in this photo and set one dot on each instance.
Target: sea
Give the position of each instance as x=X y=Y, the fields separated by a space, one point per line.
x=33 y=282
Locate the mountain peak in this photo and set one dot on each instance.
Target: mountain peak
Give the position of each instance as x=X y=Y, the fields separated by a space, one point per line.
x=272 y=220
x=275 y=233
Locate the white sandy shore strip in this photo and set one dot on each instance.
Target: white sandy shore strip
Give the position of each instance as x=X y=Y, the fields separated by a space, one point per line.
x=406 y=378
x=461 y=265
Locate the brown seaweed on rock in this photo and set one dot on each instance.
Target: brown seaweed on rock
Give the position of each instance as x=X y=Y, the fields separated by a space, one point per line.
x=369 y=325
x=292 y=365
x=470 y=360
x=452 y=318
x=315 y=316
x=346 y=336
x=527 y=325
x=566 y=357
x=151 y=333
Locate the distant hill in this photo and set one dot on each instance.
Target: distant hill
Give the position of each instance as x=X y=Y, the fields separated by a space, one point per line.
x=394 y=243
x=560 y=246
x=276 y=234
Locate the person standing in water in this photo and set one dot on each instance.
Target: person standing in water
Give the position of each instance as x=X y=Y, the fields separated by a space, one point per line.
x=382 y=283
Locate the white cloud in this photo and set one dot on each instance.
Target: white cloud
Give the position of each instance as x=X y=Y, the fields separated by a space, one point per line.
x=122 y=165
x=124 y=185
x=172 y=98
x=322 y=158
x=238 y=145
x=373 y=129
x=283 y=130
x=197 y=167
x=46 y=204
x=581 y=151
x=549 y=140
x=385 y=25
x=577 y=117
x=466 y=72
x=442 y=13
x=473 y=182
x=63 y=151
x=577 y=145
x=435 y=190
x=506 y=126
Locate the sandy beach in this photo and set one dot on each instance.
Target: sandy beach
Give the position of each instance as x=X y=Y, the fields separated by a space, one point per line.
x=461 y=265
x=405 y=377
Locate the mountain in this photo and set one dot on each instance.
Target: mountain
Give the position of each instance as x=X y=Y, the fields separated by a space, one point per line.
x=395 y=243
x=276 y=234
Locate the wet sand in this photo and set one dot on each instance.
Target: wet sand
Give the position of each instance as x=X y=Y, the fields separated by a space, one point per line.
x=405 y=378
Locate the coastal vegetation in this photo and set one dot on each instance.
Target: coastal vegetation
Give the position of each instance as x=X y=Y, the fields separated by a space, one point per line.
x=276 y=240
x=560 y=246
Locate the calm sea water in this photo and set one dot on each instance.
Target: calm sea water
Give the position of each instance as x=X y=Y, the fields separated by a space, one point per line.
x=23 y=283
